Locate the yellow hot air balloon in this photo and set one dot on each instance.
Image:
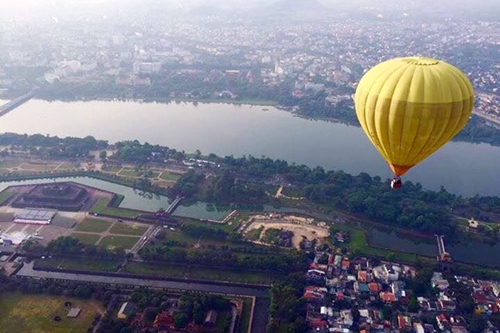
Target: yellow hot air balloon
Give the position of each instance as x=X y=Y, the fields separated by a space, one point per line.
x=410 y=107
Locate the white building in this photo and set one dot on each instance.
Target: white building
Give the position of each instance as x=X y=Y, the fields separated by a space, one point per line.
x=146 y=67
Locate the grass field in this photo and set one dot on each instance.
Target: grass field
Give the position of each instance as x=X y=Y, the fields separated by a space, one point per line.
x=93 y=225
x=101 y=207
x=164 y=184
x=4 y=196
x=170 y=176
x=125 y=229
x=118 y=241
x=225 y=227
x=81 y=264
x=88 y=239
x=254 y=234
x=202 y=273
x=34 y=313
x=37 y=167
x=112 y=169
x=222 y=318
x=128 y=172
x=245 y=315
x=9 y=164
x=185 y=238
x=6 y=217
x=156 y=270
x=68 y=166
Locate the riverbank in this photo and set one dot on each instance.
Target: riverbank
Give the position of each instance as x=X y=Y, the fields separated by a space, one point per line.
x=225 y=130
x=252 y=102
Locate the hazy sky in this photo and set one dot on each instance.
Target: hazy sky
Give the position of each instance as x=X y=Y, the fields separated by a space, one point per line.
x=470 y=7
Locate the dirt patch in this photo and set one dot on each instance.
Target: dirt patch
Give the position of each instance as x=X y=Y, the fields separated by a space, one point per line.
x=299 y=230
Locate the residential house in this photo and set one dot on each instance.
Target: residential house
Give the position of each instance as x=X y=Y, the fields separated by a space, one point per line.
x=387 y=297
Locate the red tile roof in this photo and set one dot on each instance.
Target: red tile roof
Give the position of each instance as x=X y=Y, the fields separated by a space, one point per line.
x=374 y=287
x=319 y=323
x=387 y=297
x=362 y=275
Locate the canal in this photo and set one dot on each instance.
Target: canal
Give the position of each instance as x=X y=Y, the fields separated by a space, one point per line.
x=239 y=130
x=467 y=251
x=133 y=199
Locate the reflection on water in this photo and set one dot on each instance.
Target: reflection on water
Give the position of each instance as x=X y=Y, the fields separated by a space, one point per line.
x=201 y=210
x=133 y=199
x=470 y=251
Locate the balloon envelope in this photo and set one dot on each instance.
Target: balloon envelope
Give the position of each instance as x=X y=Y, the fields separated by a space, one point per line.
x=410 y=107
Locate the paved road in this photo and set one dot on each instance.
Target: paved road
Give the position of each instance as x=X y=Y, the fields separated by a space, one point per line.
x=488 y=117
x=28 y=271
x=261 y=312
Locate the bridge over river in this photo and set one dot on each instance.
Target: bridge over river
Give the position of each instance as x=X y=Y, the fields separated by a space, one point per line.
x=7 y=107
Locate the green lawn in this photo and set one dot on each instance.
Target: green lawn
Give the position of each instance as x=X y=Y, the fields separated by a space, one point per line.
x=170 y=176
x=202 y=273
x=185 y=238
x=111 y=169
x=125 y=229
x=33 y=313
x=101 y=207
x=118 y=241
x=38 y=167
x=222 y=318
x=4 y=196
x=156 y=270
x=254 y=234
x=88 y=239
x=9 y=164
x=87 y=264
x=93 y=225
x=245 y=315
x=6 y=217
x=225 y=227
x=68 y=166
x=128 y=172
x=271 y=235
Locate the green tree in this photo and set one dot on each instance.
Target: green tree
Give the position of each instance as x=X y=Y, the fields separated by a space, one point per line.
x=413 y=305
x=181 y=320
x=103 y=155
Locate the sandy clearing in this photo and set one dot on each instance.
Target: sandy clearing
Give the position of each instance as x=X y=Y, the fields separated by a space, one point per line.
x=299 y=230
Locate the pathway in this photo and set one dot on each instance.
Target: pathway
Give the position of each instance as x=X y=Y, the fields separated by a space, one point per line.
x=488 y=117
x=28 y=271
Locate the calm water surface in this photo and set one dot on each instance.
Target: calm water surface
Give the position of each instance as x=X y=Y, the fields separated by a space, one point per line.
x=226 y=129
x=470 y=251
x=133 y=198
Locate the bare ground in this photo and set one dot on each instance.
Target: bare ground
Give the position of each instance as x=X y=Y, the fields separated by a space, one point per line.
x=299 y=230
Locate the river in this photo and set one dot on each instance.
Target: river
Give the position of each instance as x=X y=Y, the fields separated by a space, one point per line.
x=226 y=129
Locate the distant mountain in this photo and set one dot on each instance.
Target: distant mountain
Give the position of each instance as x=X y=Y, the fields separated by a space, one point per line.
x=297 y=6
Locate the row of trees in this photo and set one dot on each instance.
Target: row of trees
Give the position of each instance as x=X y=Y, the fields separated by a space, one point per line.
x=52 y=146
